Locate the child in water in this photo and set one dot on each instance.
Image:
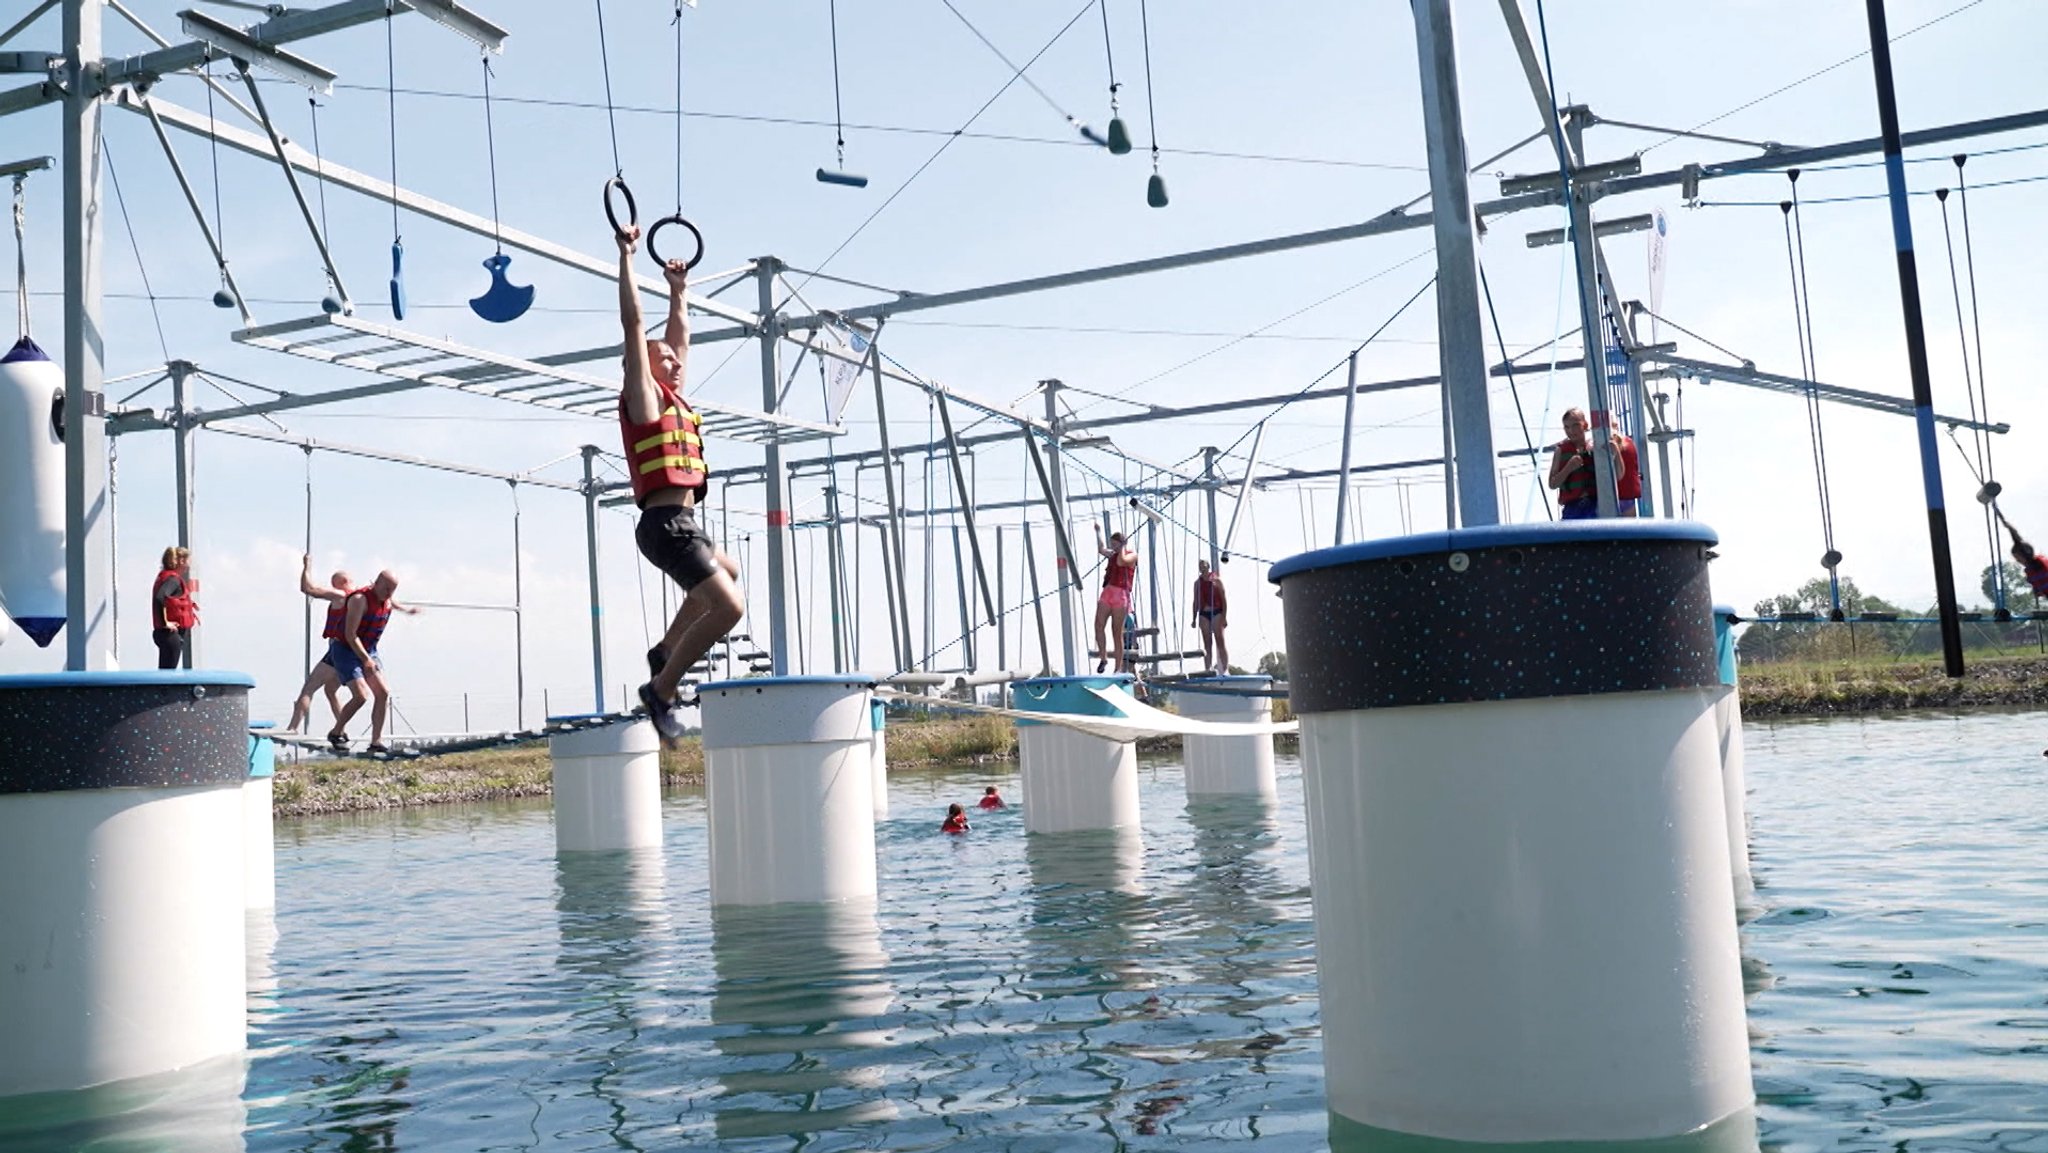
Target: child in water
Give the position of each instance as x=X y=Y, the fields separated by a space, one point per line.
x=990 y=799
x=956 y=819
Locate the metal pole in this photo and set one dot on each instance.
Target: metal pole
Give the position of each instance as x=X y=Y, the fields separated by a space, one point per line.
x=292 y=178
x=306 y=613
x=518 y=617
x=853 y=620
x=1663 y=439
x=1056 y=496
x=181 y=456
x=1002 y=628
x=966 y=613
x=1645 y=506
x=893 y=539
x=1152 y=579
x=596 y=601
x=834 y=577
x=1244 y=487
x=896 y=627
x=1215 y=539
x=1591 y=334
x=1463 y=342
x=198 y=213
x=1037 y=598
x=87 y=578
x=966 y=503
x=1916 y=341
x=765 y=270
x=1344 y=458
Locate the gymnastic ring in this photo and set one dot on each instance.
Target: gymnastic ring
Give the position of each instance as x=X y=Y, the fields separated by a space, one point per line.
x=664 y=222
x=632 y=206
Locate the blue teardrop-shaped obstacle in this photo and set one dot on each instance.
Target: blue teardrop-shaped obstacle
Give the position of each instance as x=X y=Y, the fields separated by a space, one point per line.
x=397 y=280
x=1155 y=191
x=503 y=301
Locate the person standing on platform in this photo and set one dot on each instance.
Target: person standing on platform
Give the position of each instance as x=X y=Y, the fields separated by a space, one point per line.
x=1571 y=470
x=1212 y=615
x=665 y=460
x=1119 y=574
x=1628 y=477
x=172 y=611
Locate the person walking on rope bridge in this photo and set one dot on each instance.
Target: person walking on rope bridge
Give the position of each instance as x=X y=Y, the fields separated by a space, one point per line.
x=1119 y=574
x=366 y=613
x=172 y=611
x=1212 y=615
x=1571 y=469
x=665 y=459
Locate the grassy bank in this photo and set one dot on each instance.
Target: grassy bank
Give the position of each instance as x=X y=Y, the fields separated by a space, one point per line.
x=1791 y=689
x=327 y=785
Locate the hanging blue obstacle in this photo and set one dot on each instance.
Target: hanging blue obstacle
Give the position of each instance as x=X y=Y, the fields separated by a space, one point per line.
x=503 y=301
x=397 y=280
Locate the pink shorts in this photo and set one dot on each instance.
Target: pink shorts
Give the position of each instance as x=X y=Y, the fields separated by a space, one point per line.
x=1115 y=598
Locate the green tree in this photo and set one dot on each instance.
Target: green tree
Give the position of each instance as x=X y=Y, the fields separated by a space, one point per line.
x=1822 y=641
x=1274 y=665
x=2018 y=596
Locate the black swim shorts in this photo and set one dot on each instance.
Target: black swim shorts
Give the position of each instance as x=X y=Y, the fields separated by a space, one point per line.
x=668 y=535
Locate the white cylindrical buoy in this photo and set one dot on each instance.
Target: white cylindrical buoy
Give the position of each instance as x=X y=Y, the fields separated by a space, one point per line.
x=1518 y=850
x=1231 y=766
x=1068 y=779
x=32 y=491
x=790 y=788
x=880 y=756
x=121 y=874
x=607 y=782
x=1728 y=724
x=259 y=840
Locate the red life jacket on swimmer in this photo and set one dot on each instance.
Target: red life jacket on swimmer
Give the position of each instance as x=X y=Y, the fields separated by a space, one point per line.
x=957 y=823
x=376 y=614
x=337 y=616
x=180 y=611
x=988 y=802
x=1119 y=574
x=665 y=452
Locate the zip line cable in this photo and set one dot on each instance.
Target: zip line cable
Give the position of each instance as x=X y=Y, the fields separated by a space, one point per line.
x=1976 y=315
x=1087 y=133
x=1528 y=441
x=1971 y=390
x=1802 y=322
x=120 y=202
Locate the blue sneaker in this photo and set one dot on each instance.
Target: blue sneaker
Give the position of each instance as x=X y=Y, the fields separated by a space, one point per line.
x=662 y=713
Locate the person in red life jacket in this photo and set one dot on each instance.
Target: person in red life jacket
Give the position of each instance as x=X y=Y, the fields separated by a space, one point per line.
x=172 y=611
x=2032 y=564
x=665 y=459
x=990 y=799
x=1212 y=614
x=956 y=819
x=366 y=612
x=1119 y=573
x=323 y=677
x=1571 y=469
x=1628 y=478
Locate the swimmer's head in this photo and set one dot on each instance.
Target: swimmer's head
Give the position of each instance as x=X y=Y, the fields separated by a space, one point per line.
x=662 y=361
x=340 y=581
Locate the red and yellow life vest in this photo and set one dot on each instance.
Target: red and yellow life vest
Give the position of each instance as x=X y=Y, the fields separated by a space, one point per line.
x=1579 y=483
x=180 y=611
x=666 y=452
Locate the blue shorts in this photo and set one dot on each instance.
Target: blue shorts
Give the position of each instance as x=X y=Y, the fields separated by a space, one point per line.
x=1583 y=509
x=346 y=667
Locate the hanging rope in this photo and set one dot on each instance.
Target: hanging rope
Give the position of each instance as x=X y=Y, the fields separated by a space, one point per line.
x=120 y=202
x=21 y=255
x=491 y=149
x=1802 y=319
x=221 y=298
x=838 y=115
x=1977 y=436
x=1119 y=136
x=611 y=113
x=1528 y=441
x=1155 y=189
x=1976 y=320
x=391 y=110
x=677 y=23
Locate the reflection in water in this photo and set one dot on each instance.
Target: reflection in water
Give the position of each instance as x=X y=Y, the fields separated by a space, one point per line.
x=800 y=989
x=195 y=1110
x=1732 y=1134
x=609 y=910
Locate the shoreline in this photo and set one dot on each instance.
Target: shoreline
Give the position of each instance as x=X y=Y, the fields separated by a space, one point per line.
x=321 y=787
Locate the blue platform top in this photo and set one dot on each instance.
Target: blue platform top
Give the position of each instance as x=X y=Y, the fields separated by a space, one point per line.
x=1725 y=611
x=850 y=680
x=1495 y=536
x=116 y=679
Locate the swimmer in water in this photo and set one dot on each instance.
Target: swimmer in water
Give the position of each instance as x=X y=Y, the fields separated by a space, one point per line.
x=956 y=819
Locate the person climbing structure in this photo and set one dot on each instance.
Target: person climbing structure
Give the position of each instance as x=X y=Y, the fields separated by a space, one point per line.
x=665 y=459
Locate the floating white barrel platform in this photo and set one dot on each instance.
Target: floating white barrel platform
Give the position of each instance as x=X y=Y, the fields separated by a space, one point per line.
x=121 y=874
x=607 y=783
x=1518 y=844
x=259 y=837
x=1231 y=766
x=1728 y=724
x=1072 y=780
x=789 y=778
x=880 y=757
x=32 y=491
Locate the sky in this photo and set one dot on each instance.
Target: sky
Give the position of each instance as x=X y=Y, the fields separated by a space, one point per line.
x=1271 y=119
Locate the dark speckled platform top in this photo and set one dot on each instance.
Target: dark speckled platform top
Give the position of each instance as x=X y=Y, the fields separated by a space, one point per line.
x=1502 y=613
x=102 y=730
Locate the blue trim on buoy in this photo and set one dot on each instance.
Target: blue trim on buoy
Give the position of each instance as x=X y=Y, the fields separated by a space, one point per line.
x=878 y=714
x=121 y=678
x=1496 y=536
x=1068 y=695
x=41 y=630
x=1724 y=641
x=24 y=350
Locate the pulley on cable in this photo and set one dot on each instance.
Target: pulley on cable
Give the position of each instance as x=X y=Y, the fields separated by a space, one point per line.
x=1119 y=140
x=503 y=301
x=838 y=175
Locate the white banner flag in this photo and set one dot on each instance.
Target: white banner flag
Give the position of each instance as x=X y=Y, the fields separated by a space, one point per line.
x=1660 y=226
x=842 y=375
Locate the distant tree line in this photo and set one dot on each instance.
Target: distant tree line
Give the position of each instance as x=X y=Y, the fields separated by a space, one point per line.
x=1868 y=639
